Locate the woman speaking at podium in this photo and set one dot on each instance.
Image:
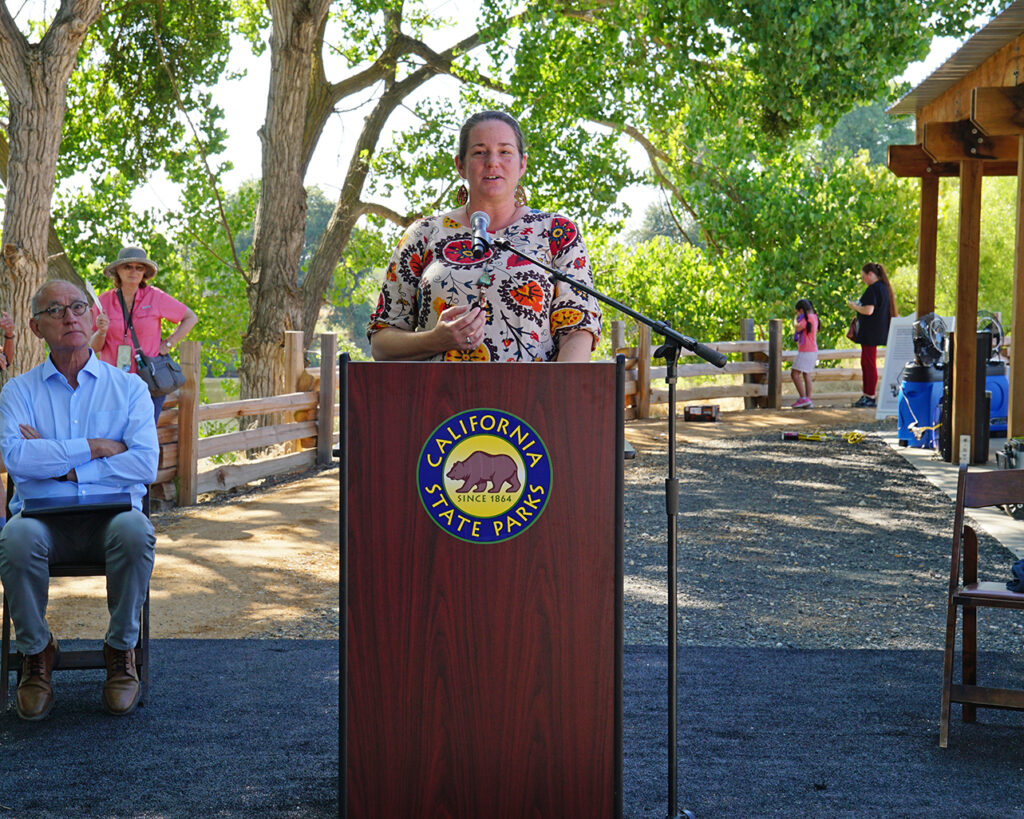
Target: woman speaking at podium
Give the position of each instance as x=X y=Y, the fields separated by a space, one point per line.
x=441 y=301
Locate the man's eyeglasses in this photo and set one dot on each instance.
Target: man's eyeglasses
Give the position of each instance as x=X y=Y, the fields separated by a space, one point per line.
x=57 y=311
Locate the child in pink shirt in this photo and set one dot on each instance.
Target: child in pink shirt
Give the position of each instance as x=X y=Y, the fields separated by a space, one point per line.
x=806 y=336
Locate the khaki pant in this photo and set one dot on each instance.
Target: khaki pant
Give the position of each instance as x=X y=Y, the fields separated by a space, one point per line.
x=28 y=545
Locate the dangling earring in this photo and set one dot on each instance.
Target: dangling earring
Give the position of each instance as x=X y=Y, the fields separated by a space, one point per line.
x=461 y=196
x=520 y=199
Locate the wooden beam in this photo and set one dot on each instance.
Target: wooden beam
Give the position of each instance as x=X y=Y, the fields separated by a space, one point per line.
x=325 y=404
x=999 y=110
x=911 y=160
x=254 y=438
x=1000 y=167
x=190 y=354
x=291 y=401
x=294 y=363
x=999 y=69
x=643 y=371
x=927 y=243
x=231 y=475
x=1015 y=413
x=968 y=263
x=914 y=161
x=774 y=363
x=957 y=141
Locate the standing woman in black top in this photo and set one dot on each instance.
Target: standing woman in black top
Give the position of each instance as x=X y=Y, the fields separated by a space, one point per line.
x=876 y=308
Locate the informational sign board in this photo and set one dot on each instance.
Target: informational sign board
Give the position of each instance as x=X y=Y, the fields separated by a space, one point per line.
x=899 y=350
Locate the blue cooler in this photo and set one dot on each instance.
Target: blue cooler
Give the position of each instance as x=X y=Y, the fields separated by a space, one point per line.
x=920 y=403
x=998 y=385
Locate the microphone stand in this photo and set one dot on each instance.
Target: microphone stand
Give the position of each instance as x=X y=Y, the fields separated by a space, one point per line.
x=670 y=352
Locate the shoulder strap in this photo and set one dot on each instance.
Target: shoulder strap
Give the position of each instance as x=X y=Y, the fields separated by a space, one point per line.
x=128 y=320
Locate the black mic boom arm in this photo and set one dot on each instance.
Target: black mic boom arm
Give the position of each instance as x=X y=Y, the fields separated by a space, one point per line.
x=695 y=347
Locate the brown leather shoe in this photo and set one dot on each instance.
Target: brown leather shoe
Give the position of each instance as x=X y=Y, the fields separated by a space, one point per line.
x=121 y=690
x=35 y=691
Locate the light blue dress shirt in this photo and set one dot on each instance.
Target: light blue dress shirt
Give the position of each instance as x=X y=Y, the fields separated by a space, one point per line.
x=108 y=403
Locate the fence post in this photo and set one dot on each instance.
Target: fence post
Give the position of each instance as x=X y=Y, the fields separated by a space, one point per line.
x=190 y=354
x=774 y=363
x=618 y=336
x=294 y=364
x=328 y=391
x=747 y=334
x=643 y=372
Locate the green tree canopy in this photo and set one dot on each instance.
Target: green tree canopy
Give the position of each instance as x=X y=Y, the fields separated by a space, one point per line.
x=721 y=96
x=868 y=128
x=998 y=231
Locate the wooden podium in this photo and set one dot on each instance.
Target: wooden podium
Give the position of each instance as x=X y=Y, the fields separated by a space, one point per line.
x=481 y=530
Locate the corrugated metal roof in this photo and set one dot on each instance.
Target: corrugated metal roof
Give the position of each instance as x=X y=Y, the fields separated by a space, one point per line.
x=1000 y=30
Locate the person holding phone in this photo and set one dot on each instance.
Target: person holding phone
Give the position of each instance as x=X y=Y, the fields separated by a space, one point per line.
x=876 y=309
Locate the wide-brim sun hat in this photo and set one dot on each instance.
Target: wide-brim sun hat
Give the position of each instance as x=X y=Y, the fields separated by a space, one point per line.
x=131 y=254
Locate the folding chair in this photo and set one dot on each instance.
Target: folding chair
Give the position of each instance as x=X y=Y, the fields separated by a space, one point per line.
x=975 y=490
x=80 y=658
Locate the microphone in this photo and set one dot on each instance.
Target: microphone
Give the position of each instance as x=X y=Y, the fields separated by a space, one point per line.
x=709 y=355
x=479 y=222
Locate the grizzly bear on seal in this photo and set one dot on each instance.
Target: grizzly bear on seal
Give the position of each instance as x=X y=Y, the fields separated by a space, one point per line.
x=482 y=468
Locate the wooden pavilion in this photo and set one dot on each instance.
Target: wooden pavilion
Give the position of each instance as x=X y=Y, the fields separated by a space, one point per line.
x=969 y=123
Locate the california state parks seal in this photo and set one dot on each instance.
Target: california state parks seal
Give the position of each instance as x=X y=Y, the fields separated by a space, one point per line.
x=484 y=476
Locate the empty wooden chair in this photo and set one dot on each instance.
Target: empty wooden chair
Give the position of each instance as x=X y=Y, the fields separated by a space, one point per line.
x=975 y=490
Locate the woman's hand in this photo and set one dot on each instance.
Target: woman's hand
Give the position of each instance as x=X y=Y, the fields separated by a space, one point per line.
x=7 y=323
x=457 y=328
x=99 y=336
x=165 y=346
x=460 y=328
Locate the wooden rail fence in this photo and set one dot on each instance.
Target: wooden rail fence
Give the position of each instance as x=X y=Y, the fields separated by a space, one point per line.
x=756 y=369
x=305 y=425
x=755 y=374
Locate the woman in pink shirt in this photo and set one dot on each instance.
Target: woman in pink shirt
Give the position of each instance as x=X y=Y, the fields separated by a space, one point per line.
x=806 y=326
x=136 y=301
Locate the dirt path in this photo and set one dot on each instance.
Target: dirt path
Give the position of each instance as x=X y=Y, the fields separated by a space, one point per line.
x=264 y=564
x=650 y=435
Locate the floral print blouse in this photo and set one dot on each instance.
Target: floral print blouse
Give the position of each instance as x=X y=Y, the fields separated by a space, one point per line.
x=433 y=268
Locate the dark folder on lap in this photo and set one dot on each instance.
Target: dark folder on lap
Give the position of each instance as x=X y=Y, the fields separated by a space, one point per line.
x=113 y=502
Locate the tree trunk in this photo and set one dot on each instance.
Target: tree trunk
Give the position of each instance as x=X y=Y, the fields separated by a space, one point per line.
x=274 y=304
x=35 y=139
x=57 y=260
x=35 y=77
x=349 y=206
x=320 y=272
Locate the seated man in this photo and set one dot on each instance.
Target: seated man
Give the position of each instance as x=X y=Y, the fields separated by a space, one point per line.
x=76 y=429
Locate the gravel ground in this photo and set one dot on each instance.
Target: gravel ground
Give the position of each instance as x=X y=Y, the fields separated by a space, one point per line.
x=802 y=544
x=322 y=623
x=795 y=544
